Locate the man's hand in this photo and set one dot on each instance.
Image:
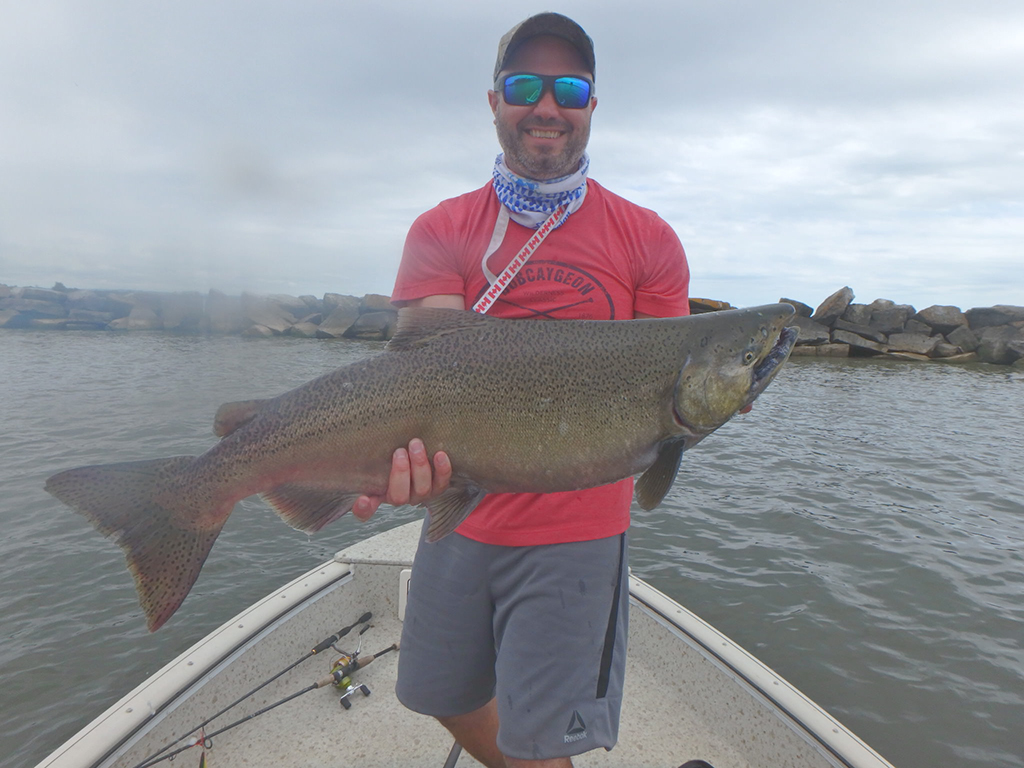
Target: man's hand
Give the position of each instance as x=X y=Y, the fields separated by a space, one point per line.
x=412 y=479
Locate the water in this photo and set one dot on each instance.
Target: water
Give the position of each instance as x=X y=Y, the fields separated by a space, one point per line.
x=860 y=531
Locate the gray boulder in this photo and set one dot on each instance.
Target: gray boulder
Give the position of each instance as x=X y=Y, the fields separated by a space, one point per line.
x=964 y=338
x=822 y=350
x=1000 y=344
x=43 y=294
x=945 y=350
x=88 y=316
x=143 y=318
x=295 y=305
x=917 y=343
x=341 y=318
x=1001 y=314
x=890 y=319
x=916 y=326
x=997 y=351
x=941 y=318
x=374 y=326
x=861 y=330
x=304 y=330
x=258 y=331
x=858 y=314
x=832 y=308
x=375 y=302
x=34 y=308
x=95 y=302
x=269 y=312
x=333 y=300
x=811 y=333
x=9 y=318
x=858 y=344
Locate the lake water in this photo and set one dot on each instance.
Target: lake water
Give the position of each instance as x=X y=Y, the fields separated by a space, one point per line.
x=860 y=531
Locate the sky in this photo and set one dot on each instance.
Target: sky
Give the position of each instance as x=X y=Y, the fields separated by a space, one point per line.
x=795 y=147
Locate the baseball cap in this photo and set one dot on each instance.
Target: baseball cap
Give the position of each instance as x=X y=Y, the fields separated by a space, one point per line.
x=545 y=24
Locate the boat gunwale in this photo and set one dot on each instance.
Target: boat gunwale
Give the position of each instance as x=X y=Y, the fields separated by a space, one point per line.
x=809 y=719
x=132 y=716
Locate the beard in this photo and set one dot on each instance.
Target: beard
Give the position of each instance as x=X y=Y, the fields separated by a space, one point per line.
x=534 y=163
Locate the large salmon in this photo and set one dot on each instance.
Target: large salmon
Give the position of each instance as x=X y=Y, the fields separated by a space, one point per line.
x=519 y=406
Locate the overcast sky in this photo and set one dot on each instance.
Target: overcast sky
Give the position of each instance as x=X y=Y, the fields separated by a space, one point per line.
x=286 y=147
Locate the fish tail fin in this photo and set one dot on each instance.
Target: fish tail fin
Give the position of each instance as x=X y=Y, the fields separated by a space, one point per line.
x=140 y=505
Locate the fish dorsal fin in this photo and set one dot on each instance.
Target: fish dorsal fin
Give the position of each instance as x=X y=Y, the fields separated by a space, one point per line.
x=655 y=482
x=420 y=325
x=231 y=416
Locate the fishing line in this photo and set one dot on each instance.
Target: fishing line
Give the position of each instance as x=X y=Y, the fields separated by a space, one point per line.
x=323 y=645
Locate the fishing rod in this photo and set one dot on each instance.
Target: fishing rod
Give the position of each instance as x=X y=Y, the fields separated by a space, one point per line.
x=323 y=645
x=339 y=676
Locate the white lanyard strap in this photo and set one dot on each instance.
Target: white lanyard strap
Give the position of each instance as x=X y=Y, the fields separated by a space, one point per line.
x=500 y=282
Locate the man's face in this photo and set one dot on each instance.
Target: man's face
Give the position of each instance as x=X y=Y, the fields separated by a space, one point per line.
x=543 y=140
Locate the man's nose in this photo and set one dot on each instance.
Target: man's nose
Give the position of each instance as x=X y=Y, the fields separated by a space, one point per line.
x=546 y=106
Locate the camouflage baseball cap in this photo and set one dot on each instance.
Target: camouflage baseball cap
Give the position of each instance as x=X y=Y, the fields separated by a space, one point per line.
x=545 y=24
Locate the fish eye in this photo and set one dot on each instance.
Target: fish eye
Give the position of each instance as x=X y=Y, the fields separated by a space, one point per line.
x=748 y=357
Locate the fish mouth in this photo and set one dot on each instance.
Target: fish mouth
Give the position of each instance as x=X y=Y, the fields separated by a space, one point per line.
x=765 y=371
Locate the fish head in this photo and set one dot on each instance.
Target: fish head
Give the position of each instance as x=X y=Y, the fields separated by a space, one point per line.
x=737 y=354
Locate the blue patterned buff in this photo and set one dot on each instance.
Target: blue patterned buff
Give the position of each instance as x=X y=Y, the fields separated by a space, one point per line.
x=531 y=202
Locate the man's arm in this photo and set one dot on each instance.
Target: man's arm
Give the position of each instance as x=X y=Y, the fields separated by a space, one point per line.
x=412 y=479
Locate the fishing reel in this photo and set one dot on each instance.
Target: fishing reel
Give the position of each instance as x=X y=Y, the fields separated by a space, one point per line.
x=341 y=671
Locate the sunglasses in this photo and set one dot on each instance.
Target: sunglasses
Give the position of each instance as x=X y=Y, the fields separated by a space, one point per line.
x=524 y=89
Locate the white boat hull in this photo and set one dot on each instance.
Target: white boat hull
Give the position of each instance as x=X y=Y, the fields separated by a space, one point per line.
x=690 y=691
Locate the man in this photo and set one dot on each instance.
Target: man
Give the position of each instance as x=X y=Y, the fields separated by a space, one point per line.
x=516 y=627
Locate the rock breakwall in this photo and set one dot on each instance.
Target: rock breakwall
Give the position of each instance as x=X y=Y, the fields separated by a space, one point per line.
x=886 y=330
x=334 y=315
x=837 y=328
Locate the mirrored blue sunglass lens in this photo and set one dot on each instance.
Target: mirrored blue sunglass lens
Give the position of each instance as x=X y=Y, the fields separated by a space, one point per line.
x=523 y=89
x=572 y=92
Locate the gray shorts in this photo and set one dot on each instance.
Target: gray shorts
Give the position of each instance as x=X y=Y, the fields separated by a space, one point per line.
x=542 y=629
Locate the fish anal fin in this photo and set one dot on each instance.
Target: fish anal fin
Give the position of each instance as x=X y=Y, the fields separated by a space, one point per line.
x=448 y=510
x=654 y=483
x=231 y=416
x=420 y=325
x=309 y=507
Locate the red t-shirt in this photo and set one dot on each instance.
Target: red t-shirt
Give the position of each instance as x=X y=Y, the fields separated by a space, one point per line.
x=610 y=260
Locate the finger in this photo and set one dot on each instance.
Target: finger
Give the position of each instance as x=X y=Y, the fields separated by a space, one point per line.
x=365 y=506
x=399 y=481
x=421 y=473
x=442 y=473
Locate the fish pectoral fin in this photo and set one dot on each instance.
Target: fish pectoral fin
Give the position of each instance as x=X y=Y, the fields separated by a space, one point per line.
x=231 y=416
x=309 y=507
x=453 y=506
x=655 y=482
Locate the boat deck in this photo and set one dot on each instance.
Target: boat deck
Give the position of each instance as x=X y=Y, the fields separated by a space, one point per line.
x=684 y=698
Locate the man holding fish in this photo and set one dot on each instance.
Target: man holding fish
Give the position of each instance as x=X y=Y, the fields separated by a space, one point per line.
x=515 y=635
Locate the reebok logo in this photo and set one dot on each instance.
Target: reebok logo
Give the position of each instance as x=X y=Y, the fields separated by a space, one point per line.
x=577 y=729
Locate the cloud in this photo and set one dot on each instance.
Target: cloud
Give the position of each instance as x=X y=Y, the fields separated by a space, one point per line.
x=287 y=148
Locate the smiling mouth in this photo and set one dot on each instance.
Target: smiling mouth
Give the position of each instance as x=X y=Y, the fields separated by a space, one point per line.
x=539 y=134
